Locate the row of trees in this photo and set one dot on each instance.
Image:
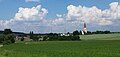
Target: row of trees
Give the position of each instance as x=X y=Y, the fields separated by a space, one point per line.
x=53 y=37
x=89 y=32
x=64 y=38
x=7 y=37
x=101 y=32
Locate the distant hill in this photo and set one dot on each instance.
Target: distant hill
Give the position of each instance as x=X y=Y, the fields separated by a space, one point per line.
x=13 y=32
x=18 y=33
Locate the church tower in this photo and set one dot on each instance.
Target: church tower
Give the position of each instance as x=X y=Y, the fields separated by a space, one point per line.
x=84 y=29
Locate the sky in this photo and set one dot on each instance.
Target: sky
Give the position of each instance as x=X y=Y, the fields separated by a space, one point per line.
x=42 y=16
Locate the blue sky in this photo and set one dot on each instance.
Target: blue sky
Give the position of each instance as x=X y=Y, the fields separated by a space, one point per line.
x=9 y=8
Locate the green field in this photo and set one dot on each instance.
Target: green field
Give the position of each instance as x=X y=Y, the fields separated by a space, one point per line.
x=90 y=46
x=101 y=37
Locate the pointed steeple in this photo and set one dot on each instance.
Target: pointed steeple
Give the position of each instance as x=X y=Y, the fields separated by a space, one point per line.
x=84 y=29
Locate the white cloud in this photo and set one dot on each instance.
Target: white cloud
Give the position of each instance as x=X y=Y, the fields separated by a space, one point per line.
x=114 y=5
x=58 y=21
x=105 y=22
x=93 y=14
x=58 y=15
x=28 y=14
x=28 y=19
x=25 y=15
x=32 y=0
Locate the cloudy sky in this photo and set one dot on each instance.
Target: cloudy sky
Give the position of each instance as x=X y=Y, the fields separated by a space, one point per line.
x=43 y=16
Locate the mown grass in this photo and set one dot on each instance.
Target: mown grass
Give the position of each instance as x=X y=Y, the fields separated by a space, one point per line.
x=84 y=48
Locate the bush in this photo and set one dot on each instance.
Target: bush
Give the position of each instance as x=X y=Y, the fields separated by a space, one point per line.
x=35 y=38
x=6 y=42
x=7 y=39
x=69 y=38
x=64 y=38
x=22 y=39
x=45 y=38
x=1 y=38
x=11 y=37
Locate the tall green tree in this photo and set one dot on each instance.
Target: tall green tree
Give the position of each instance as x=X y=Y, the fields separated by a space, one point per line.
x=7 y=31
x=8 y=37
x=76 y=32
x=31 y=35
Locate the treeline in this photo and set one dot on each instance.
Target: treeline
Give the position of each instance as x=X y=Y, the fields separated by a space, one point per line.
x=74 y=36
x=101 y=32
x=64 y=37
x=7 y=37
x=89 y=32
x=54 y=37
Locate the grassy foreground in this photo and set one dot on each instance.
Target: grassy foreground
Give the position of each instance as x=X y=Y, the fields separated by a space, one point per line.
x=85 y=48
x=62 y=49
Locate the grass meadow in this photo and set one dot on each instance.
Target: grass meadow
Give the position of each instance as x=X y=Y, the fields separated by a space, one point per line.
x=100 y=45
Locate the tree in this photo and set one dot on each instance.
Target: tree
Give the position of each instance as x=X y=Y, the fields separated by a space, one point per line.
x=88 y=33
x=101 y=32
x=75 y=32
x=68 y=32
x=2 y=38
x=7 y=31
x=31 y=35
x=80 y=32
x=35 y=38
x=8 y=37
x=106 y=32
x=22 y=39
x=11 y=37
